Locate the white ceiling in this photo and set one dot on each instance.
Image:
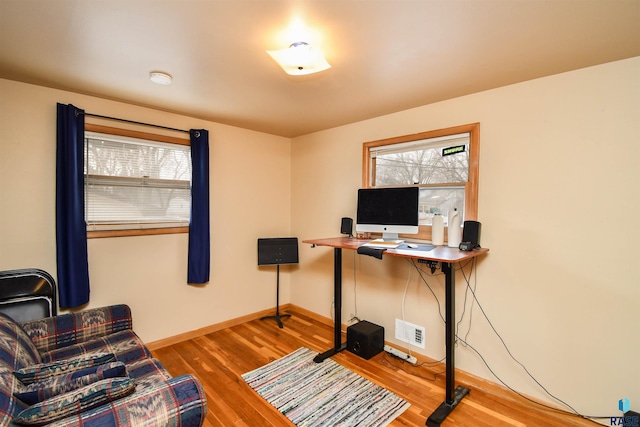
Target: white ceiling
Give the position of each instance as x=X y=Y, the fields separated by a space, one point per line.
x=387 y=55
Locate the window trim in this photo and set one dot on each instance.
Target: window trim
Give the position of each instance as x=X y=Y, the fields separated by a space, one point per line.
x=96 y=234
x=471 y=186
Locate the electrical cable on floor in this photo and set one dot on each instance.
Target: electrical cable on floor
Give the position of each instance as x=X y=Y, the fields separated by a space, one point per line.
x=473 y=271
x=428 y=286
x=404 y=298
x=412 y=371
x=466 y=293
x=402 y=361
x=573 y=412
x=355 y=292
x=466 y=344
x=510 y=355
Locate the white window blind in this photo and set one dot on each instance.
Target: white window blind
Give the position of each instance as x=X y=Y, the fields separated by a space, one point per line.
x=133 y=183
x=420 y=162
x=432 y=143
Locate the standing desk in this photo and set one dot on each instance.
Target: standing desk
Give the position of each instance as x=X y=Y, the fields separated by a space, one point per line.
x=447 y=257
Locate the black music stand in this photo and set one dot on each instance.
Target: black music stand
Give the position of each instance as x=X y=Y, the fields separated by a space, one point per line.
x=276 y=251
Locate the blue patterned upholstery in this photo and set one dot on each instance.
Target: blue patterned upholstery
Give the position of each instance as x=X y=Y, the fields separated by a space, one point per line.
x=16 y=352
x=158 y=399
x=61 y=406
x=126 y=345
x=44 y=371
x=61 y=384
x=178 y=402
x=52 y=333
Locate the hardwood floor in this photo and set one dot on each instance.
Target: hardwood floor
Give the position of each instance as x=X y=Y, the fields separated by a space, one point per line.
x=219 y=359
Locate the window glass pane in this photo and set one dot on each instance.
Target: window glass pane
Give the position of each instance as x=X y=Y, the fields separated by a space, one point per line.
x=132 y=183
x=441 y=201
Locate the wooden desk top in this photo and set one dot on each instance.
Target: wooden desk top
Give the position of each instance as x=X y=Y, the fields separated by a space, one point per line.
x=439 y=253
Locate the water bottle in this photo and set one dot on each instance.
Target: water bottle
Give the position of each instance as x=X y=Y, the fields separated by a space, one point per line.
x=437 y=230
x=454 y=231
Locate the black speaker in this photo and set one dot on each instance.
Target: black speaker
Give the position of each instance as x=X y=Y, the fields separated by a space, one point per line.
x=471 y=233
x=365 y=339
x=346 y=226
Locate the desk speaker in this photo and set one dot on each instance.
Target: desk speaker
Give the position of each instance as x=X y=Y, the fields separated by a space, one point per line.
x=346 y=226
x=471 y=233
x=365 y=339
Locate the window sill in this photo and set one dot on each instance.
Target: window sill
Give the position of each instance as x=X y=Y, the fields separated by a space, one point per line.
x=137 y=232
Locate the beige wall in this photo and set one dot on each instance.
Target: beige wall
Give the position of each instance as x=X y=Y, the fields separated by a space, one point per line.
x=559 y=175
x=250 y=198
x=558 y=155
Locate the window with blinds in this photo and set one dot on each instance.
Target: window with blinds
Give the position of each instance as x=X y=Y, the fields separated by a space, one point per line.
x=133 y=183
x=442 y=163
x=430 y=161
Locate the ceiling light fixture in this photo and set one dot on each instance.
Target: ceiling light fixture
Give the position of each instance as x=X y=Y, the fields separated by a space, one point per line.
x=160 y=78
x=300 y=58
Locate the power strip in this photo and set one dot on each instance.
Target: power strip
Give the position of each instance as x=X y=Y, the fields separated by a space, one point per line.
x=400 y=354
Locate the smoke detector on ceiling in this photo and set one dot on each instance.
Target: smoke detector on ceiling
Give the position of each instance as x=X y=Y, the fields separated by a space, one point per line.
x=160 y=78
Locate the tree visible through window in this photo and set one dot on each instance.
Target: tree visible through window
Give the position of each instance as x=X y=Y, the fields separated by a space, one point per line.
x=442 y=163
x=135 y=181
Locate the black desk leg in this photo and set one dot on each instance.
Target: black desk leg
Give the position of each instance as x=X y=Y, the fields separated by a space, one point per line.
x=452 y=397
x=338 y=346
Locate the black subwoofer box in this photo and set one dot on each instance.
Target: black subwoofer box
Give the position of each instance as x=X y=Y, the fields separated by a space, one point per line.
x=365 y=339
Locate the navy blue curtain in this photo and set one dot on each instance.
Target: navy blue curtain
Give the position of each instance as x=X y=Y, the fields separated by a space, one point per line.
x=71 y=229
x=199 y=258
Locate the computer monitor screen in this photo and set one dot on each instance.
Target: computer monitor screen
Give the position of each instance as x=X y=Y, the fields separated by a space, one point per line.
x=390 y=211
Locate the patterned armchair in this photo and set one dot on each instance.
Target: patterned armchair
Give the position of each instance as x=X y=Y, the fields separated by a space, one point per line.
x=89 y=369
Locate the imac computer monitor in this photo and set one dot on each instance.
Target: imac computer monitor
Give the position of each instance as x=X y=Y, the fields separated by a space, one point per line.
x=390 y=211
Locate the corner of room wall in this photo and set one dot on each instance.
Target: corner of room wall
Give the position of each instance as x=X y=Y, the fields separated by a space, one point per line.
x=250 y=198
x=558 y=157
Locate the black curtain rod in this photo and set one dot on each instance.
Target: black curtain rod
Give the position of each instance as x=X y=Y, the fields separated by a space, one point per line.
x=133 y=122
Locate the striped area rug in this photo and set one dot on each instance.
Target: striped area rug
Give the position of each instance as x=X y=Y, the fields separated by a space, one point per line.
x=323 y=394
